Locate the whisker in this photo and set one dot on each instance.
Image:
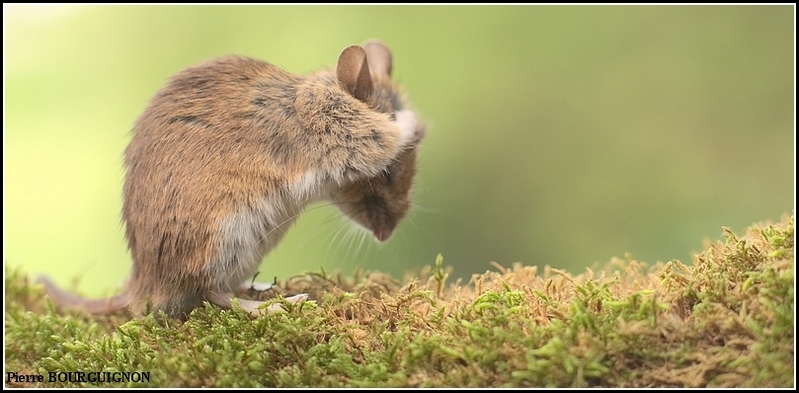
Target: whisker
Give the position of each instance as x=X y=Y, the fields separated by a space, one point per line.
x=333 y=240
x=296 y=215
x=410 y=219
x=357 y=250
x=425 y=231
x=346 y=233
x=423 y=209
x=359 y=237
x=352 y=247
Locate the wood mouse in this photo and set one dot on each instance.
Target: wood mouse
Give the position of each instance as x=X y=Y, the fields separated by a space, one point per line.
x=229 y=153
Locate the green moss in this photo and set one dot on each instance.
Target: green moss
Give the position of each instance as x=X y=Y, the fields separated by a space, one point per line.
x=725 y=321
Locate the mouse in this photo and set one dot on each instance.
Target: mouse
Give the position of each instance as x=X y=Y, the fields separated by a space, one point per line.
x=230 y=152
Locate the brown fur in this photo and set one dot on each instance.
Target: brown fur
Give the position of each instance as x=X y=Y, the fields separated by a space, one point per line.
x=229 y=152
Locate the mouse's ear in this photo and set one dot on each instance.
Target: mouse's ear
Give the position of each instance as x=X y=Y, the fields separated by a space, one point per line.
x=379 y=57
x=352 y=72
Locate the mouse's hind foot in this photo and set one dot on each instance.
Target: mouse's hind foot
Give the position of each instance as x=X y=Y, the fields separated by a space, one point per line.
x=254 y=307
x=296 y=299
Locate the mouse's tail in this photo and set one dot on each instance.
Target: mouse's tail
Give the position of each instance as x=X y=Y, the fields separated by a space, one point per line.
x=65 y=299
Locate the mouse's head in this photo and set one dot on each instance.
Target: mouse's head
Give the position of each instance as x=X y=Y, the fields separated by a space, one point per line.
x=379 y=203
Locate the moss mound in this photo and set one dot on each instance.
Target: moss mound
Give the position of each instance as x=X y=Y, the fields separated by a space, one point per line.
x=725 y=321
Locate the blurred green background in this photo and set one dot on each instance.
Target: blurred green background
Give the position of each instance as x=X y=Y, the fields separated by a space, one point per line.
x=559 y=135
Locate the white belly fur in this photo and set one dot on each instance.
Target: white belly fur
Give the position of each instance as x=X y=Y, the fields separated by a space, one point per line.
x=248 y=235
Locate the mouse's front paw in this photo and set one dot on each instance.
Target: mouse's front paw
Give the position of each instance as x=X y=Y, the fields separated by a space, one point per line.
x=407 y=123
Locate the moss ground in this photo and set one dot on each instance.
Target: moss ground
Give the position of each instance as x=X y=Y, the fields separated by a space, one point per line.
x=726 y=320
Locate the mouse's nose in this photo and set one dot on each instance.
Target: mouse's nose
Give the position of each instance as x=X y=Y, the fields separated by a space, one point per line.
x=382 y=234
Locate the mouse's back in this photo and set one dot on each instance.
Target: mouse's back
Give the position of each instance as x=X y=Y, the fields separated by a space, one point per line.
x=207 y=147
